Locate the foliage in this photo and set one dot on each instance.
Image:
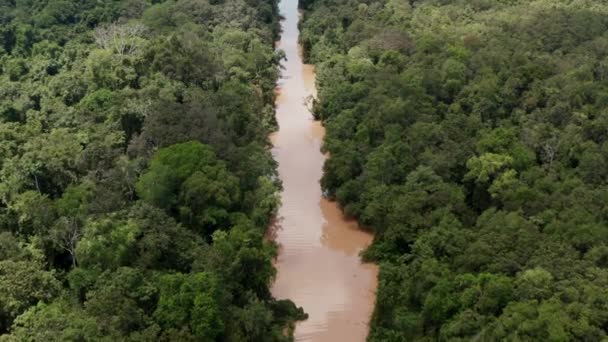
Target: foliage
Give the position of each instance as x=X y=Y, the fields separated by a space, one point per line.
x=136 y=181
x=470 y=136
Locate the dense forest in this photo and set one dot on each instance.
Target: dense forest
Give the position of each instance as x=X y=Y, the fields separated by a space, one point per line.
x=136 y=182
x=472 y=138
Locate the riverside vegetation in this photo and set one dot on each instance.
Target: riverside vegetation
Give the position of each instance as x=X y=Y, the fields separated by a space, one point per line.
x=136 y=182
x=472 y=138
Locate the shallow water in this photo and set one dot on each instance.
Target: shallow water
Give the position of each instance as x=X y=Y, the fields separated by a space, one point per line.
x=318 y=265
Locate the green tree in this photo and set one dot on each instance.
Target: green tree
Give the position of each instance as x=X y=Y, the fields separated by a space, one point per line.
x=190 y=300
x=23 y=284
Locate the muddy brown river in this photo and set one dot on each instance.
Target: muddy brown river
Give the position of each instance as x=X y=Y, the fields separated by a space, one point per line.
x=318 y=267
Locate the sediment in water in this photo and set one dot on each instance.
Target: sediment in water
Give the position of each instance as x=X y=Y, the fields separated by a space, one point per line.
x=318 y=267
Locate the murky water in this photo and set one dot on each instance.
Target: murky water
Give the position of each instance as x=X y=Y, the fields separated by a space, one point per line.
x=318 y=265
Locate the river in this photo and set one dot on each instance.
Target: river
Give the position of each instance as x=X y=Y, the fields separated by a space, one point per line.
x=318 y=266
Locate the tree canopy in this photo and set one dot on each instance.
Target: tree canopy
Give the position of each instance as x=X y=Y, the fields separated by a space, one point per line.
x=136 y=180
x=470 y=136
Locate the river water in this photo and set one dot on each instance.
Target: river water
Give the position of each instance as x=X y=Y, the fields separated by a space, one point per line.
x=318 y=265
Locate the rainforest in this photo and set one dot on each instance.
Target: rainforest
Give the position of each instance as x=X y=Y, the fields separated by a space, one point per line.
x=136 y=182
x=472 y=138
x=194 y=170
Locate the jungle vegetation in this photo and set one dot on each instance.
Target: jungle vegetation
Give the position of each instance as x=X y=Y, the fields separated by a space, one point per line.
x=136 y=182
x=472 y=138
